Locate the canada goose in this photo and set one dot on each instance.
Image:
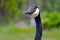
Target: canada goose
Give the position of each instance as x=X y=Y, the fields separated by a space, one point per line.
x=34 y=11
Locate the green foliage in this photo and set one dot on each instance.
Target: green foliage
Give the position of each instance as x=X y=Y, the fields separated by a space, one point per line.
x=52 y=20
x=12 y=10
x=14 y=7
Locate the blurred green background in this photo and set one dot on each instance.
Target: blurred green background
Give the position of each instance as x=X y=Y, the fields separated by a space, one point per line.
x=14 y=25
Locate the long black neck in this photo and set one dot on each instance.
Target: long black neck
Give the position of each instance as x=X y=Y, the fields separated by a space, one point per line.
x=38 y=27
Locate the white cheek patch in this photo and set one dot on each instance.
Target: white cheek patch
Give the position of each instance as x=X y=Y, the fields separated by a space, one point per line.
x=36 y=13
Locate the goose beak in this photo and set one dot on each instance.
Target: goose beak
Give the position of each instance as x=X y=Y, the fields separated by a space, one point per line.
x=26 y=12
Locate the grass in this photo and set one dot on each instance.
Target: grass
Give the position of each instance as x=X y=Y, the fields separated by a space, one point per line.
x=15 y=33
x=53 y=34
